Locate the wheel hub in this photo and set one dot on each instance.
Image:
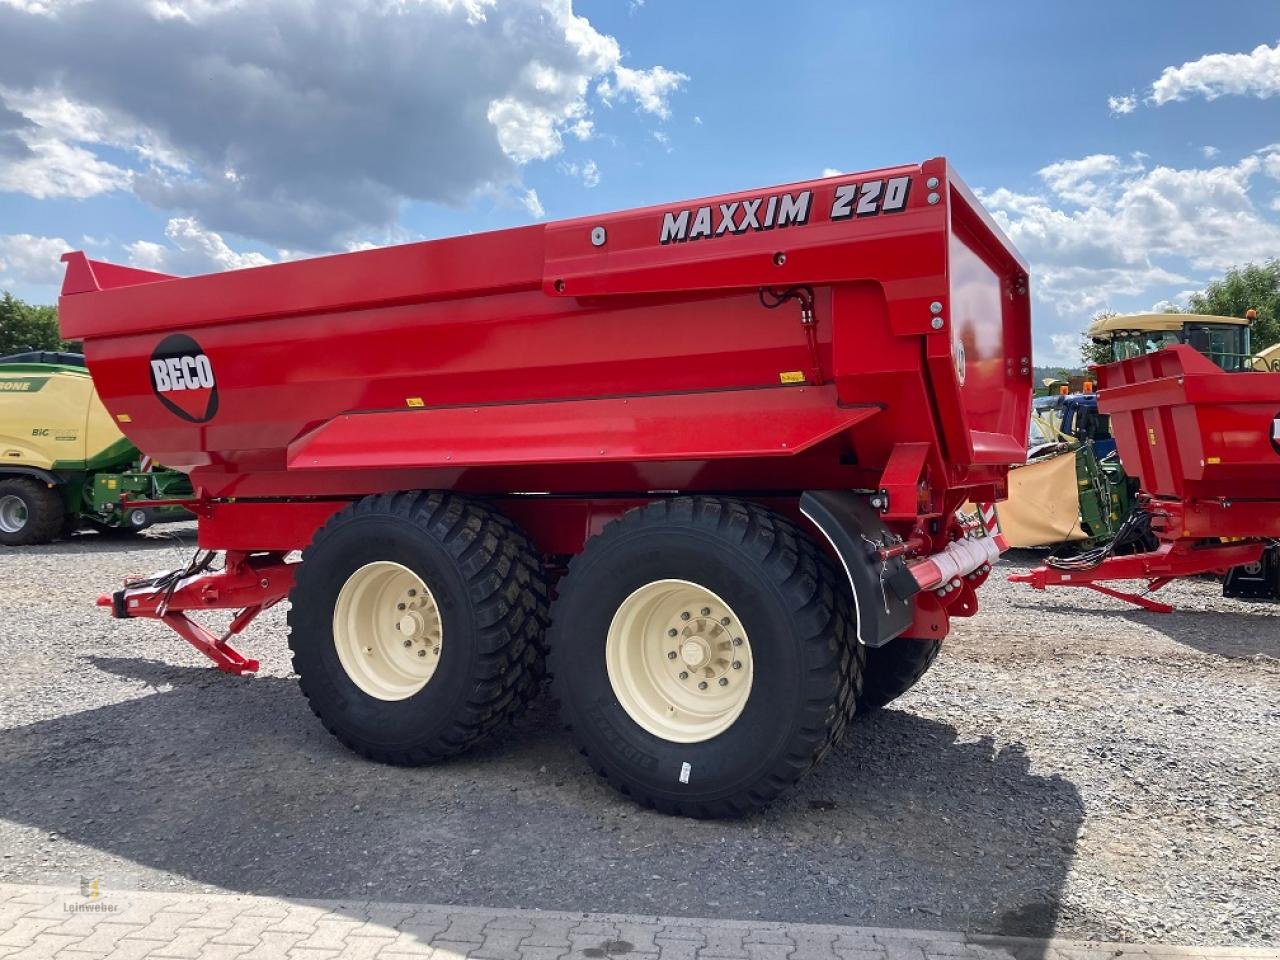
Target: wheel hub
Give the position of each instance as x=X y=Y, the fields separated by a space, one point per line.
x=13 y=513
x=387 y=630
x=679 y=661
x=695 y=651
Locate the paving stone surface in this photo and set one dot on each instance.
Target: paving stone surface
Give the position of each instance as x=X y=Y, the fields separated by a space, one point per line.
x=56 y=923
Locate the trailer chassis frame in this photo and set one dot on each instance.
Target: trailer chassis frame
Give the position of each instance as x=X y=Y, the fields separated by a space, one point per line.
x=1173 y=559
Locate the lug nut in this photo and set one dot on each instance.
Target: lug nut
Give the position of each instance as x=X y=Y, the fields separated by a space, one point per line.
x=435 y=651
x=685 y=615
x=724 y=621
x=684 y=674
x=400 y=606
x=671 y=655
x=724 y=681
x=737 y=664
x=702 y=685
x=706 y=611
x=422 y=653
x=408 y=643
x=672 y=632
x=737 y=641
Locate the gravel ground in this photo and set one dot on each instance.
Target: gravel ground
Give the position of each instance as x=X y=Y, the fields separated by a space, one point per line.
x=1069 y=766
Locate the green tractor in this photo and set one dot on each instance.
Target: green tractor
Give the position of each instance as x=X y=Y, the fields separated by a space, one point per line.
x=63 y=462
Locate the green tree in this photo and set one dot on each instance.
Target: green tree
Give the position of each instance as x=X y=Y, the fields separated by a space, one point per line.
x=1091 y=352
x=25 y=326
x=1250 y=286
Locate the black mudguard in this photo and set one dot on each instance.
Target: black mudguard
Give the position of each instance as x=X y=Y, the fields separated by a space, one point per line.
x=882 y=589
x=49 y=477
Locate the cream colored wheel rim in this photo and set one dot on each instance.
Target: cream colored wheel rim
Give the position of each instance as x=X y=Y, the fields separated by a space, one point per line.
x=679 y=661
x=387 y=630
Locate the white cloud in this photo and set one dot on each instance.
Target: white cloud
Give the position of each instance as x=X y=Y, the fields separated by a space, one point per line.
x=1209 y=152
x=1119 y=106
x=1255 y=74
x=283 y=121
x=192 y=249
x=831 y=172
x=39 y=161
x=651 y=89
x=30 y=259
x=1271 y=161
x=531 y=203
x=1104 y=229
x=53 y=168
x=588 y=172
x=40 y=7
x=1099 y=212
x=1064 y=352
x=525 y=132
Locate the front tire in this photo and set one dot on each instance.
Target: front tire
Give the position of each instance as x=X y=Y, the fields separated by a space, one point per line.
x=643 y=655
x=416 y=625
x=30 y=512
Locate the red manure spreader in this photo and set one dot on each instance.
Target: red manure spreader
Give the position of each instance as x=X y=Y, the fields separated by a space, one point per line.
x=701 y=463
x=1204 y=445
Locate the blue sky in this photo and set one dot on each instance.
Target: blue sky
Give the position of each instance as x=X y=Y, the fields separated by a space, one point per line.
x=1131 y=149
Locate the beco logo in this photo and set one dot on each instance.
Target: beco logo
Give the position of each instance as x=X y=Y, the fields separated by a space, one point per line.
x=182 y=378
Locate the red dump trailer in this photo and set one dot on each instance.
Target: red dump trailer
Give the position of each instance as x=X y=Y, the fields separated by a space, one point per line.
x=1204 y=445
x=729 y=436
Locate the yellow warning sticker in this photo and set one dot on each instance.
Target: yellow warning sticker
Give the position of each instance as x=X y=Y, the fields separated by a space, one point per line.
x=124 y=418
x=413 y=402
x=791 y=376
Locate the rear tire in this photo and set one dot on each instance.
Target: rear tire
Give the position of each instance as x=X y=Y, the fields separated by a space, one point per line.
x=30 y=512
x=894 y=669
x=416 y=625
x=634 y=715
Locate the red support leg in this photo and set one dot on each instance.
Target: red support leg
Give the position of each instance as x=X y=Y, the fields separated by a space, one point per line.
x=248 y=584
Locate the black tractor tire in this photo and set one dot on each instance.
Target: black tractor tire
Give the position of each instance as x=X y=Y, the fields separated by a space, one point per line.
x=894 y=669
x=41 y=508
x=795 y=610
x=492 y=597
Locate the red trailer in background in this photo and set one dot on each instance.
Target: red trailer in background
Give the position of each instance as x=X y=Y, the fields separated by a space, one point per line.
x=1204 y=445
x=730 y=435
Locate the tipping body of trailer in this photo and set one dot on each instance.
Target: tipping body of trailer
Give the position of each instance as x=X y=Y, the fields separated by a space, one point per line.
x=1204 y=445
x=836 y=365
